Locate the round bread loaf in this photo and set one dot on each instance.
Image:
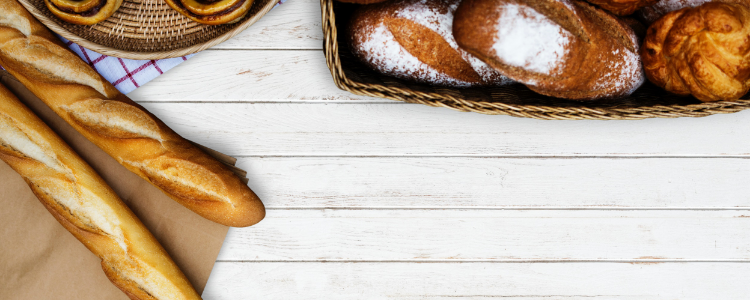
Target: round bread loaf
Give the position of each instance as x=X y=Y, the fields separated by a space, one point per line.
x=622 y=7
x=412 y=40
x=559 y=48
x=651 y=13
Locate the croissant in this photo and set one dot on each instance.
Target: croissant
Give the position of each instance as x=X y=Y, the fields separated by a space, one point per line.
x=84 y=12
x=703 y=51
x=622 y=7
x=212 y=12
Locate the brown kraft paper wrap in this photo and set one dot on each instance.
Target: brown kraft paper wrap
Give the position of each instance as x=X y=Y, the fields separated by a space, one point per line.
x=39 y=259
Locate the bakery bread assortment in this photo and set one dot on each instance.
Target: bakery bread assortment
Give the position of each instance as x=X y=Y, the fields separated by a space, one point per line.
x=702 y=51
x=212 y=12
x=122 y=128
x=87 y=207
x=412 y=39
x=622 y=7
x=566 y=49
x=83 y=12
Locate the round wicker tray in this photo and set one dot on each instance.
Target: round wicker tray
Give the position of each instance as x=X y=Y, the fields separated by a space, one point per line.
x=516 y=100
x=146 y=29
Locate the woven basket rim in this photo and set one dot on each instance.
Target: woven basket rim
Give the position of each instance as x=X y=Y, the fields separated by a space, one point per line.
x=542 y=112
x=55 y=27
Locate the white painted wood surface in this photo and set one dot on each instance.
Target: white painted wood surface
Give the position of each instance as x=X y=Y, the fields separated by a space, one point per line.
x=371 y=199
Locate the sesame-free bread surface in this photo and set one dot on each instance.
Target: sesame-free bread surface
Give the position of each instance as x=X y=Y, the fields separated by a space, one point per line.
x=412 y=40
x=83 y=203
x=122 y=128
x=560 y=48
x=702 y=51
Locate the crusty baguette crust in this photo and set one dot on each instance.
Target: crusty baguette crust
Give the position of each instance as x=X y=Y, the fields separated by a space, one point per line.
x=80 y=200
x=122 y=128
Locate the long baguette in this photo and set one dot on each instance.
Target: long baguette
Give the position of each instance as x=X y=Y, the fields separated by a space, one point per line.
x=122 y=128
x=87 y=207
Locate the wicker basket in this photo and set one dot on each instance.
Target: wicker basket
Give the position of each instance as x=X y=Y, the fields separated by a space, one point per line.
x=516 y=100
x=147 y=29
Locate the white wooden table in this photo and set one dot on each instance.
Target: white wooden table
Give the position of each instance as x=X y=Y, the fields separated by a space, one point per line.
x=371 y=199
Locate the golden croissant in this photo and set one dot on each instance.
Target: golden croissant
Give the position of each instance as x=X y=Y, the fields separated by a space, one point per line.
x=703 y=51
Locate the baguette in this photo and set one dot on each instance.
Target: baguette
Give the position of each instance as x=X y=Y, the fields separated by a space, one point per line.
x=122 y=128
x=87 y=207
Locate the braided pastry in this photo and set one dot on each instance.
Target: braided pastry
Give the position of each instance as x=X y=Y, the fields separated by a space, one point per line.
x=122 y=128
x=703 y=51
x=83 y=12
x=212 y=12
x=622 y=7
x=80 y=200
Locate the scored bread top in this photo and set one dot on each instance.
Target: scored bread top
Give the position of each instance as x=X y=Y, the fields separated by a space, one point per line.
x=558 y=48
x=412 y=39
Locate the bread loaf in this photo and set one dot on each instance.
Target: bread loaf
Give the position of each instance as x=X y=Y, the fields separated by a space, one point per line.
x=651 y=13
x=412 y=39
x=125 y=130
x=559 y=48
x=703 y=51
x=80 y=200
x=83 y=12
x=212 y=12
x=622 y=7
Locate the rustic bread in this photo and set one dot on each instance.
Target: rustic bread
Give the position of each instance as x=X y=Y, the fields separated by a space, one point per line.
x=83 y=203
x=210 y=12
x=559 y=48
x=651 y=13
x=622 y=7
x=84 y=12
x=122 y=128
x=412 y=40
x=703 y=51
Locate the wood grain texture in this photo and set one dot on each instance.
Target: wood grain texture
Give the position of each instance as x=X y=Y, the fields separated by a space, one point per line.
x=499 y=183
x=537 y=281
x=243 y=76
x=491 y=235
x=296 y=24
x=303 y=129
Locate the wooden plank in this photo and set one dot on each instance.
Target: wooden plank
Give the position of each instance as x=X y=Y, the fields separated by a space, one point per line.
x=303 y=129
x=491 y=235
x=492 y=182
x=245 y=76
x=527 y=281
x=295 y=24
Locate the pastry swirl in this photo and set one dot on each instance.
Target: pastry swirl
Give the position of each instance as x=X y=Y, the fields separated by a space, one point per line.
x=212 y=12
x=83 y=12
x=703 y=51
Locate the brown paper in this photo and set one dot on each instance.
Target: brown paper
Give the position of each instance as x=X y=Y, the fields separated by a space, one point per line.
x=39 y=259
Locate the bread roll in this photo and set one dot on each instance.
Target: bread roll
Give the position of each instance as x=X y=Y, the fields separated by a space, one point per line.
x=122 y=128
x=80 y=200
x=83 y=12
x=622 y=7
x=565 y=49
x=212 y=12
x=651 y=13
x=412 y=40
x=703 y=51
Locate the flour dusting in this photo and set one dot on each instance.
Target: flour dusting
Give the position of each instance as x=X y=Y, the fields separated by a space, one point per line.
x=528 y=39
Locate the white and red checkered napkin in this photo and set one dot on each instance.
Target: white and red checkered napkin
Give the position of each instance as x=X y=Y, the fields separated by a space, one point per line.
x=127 y=74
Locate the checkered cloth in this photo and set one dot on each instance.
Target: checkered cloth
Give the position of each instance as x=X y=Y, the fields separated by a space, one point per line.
x=126 y=74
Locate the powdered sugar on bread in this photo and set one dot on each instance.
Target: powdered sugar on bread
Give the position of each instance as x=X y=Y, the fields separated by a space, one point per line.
x=529 y=40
